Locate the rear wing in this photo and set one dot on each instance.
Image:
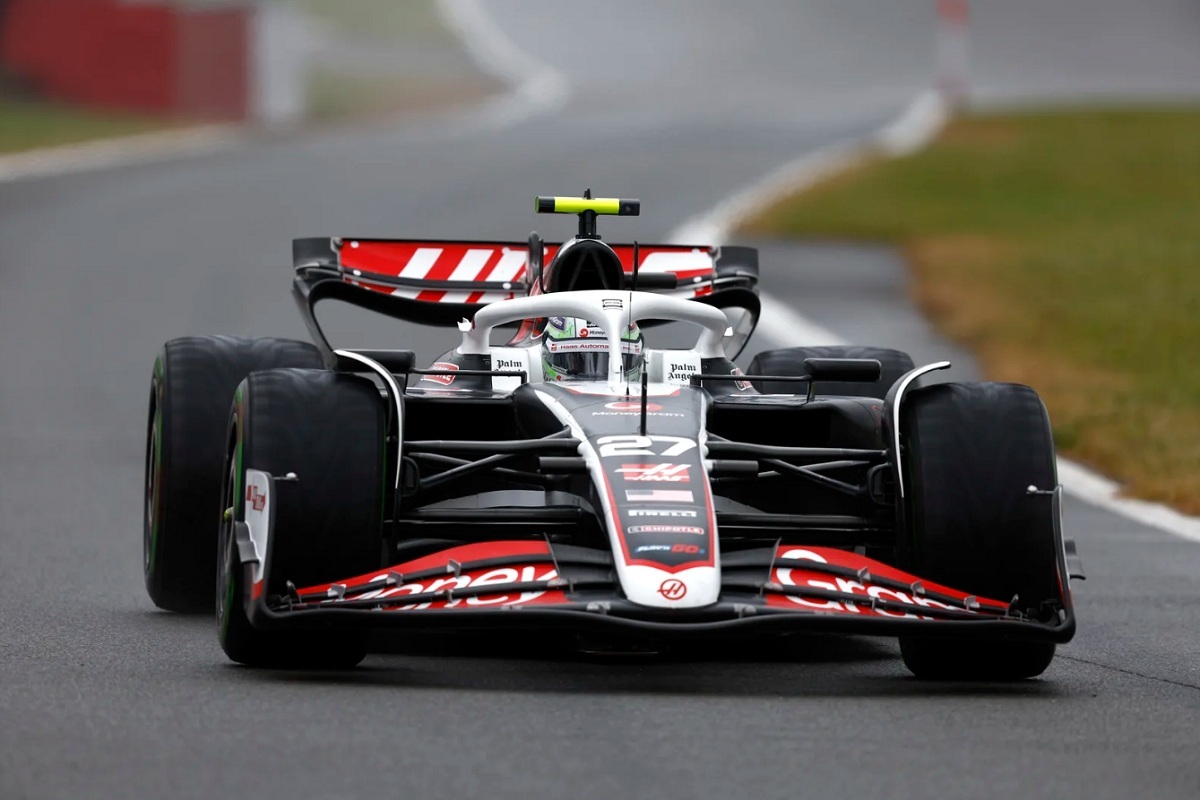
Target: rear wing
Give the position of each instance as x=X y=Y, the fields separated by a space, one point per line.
x=439 y=282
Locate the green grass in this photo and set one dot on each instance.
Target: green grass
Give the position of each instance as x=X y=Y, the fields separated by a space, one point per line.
x=1064 y=247
x=391 y=20
x=27 y=124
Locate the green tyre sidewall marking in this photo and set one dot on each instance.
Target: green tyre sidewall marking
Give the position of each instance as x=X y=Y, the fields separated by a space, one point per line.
x=239 y=403
x=157 y=466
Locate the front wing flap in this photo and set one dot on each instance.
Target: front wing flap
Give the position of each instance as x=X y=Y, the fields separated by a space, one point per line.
x=533 y=584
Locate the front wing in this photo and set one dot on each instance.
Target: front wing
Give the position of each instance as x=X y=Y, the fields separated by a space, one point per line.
x=532 y=583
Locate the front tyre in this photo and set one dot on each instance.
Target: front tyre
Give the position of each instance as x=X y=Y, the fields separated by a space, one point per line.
x=970 y=452
x=329 y=429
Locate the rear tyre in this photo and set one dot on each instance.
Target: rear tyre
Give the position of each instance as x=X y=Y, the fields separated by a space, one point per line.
x=790 y=361
x=971 y=450
x=329 y=429
x=190 y=392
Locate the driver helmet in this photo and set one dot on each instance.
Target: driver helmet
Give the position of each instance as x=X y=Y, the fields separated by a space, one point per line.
x=574 y=349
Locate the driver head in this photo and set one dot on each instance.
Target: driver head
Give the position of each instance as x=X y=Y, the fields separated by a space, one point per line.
x=573 y=349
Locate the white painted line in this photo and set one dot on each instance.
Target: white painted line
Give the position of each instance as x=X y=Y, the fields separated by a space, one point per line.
x=785 y=327
x=714 y=226
x=535 y=87
x=916 y=126
x=1100 y=491
x=119 y=152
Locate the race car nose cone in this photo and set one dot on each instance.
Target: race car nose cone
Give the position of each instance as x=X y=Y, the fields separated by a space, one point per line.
x=657 y=588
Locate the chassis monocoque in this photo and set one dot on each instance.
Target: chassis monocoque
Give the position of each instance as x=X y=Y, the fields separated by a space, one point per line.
x=823 y=490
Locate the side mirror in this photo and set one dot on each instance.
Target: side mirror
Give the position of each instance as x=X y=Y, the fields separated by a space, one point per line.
x=864 y=370
x=652 y=281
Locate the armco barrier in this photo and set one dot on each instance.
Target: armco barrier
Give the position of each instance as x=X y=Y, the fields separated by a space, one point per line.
x=157 y=57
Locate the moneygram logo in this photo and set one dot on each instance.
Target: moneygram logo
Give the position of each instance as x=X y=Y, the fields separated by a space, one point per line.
x=631 y=408
x=632 y=405
x=844 y=588
x=499 y=582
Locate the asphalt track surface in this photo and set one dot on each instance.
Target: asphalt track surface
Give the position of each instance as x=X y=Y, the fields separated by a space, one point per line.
x=678 y=104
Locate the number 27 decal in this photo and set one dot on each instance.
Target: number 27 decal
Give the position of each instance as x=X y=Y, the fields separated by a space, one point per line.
x=628 y=445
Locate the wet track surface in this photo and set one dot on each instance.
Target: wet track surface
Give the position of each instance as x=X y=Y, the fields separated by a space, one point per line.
x=102 y=695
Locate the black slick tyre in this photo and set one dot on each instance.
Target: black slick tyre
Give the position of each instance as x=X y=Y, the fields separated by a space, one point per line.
x=329 y=430
x=970 y=452
x=789 y=361
x=190 y=391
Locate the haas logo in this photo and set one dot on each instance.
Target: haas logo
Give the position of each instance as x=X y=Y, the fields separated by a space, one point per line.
x=254 y=499
x=673 y=589
x=671 y=473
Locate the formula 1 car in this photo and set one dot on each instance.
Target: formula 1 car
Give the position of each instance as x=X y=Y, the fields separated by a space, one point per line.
x=575 y=479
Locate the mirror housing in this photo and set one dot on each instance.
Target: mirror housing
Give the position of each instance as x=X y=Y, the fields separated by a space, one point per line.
x=865 y=370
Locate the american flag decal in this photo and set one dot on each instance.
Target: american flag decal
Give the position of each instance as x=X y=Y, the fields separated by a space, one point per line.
x=659 y=496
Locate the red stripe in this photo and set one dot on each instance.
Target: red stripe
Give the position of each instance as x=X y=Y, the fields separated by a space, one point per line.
x=392 y=257
x=444 y=268
x=440 y=271
x=489 y=270
x=374 y=258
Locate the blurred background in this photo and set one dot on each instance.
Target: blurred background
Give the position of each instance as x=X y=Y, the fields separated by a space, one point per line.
x=157 y=157
x=78 y=68
x=103 y=66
